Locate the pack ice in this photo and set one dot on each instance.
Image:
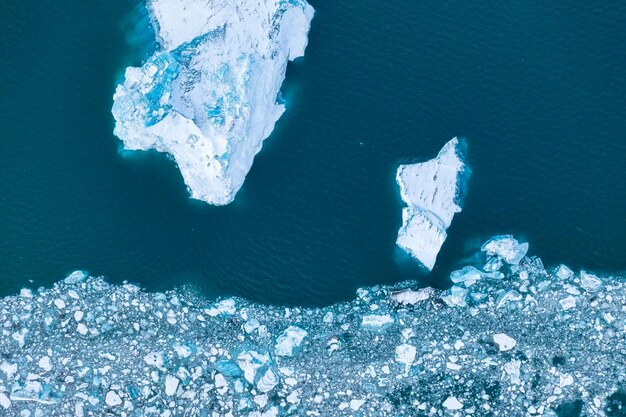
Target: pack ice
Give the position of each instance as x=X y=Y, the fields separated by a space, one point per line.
x=432 y=191
x=210 y=95
x=510 y=338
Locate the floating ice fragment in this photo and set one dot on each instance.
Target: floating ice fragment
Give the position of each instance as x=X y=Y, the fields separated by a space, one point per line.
x=155 y=359
x=171 y=385
x=82 y=329
x=506 y=297
x=293 y=398
x=467 y=275
x=456 y=297
x=405 y=354
x=356 y=404
x=289 y=340
x=433 y=192
x=78 y=315
x=182 y=350
x=267 y=381
x=589 y=282
x=376 y=321
x=507 y=248
x=504 y=342
x=512 y=368
x=568 y=302
x=452 y=403
x=493 y=264
x=32 y=390
x=410 y=297
x=565 y=380
x=564 y=272
x=26 y=293
x=44 y=363
x=76 y=277
x=256 y=370
x=533 y=265
x=9 y=369
x=209 y=96
x=223 y=308
x=113 y=399
x=5 y=402
x=20 y=337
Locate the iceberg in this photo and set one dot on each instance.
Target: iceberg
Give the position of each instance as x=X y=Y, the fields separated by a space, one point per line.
x=210 y=94
x=433 y=192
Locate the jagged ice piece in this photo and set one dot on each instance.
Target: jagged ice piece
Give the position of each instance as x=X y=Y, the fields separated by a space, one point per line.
x=210 y=95
x=432 y=191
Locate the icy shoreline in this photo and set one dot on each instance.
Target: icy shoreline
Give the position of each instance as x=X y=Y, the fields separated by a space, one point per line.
x=509 y=338
x=210 y=95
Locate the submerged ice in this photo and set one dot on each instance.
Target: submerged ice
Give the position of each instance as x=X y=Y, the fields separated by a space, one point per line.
x=210 y=95
x=432 y=191
x=516 y=340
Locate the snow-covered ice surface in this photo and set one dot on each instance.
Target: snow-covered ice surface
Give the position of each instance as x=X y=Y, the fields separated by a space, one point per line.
x=210 y=95
x=514 y=341
x=433 y=192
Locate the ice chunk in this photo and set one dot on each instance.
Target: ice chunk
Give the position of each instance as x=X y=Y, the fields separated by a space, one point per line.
x=456 y=297
x=568 y=303
x=113 y=399
x=506 y=297
x=209 y=96
x=289 y=340
x=44 y=363
x=5 y=402
x=376 y=321
x=76 y=277
x=356 y=404
x=467 y=275
x=410 y=297
x=512 y=368
x=452 y=403
x=223 y=308
x=507 y=248
x=504 y=341
x=564 y=272
x=405 y=354
x=589 y=282
x=268 y=380
x=257 y=371
x=433 y=192
x=171 y=385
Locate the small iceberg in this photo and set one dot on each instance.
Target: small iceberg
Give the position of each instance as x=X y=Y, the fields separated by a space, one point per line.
x=433 y=192
x=209 y=95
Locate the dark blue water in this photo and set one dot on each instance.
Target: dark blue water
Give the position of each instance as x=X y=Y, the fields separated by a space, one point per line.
x=536 y=87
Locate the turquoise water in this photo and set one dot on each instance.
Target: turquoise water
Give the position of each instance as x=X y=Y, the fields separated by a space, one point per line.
x=537 y=89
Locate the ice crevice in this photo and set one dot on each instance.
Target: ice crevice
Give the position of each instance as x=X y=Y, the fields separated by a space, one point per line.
x=511 y=337
x=209 y=95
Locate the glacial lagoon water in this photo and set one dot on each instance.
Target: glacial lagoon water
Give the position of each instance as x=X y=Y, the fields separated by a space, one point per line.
x=536 y=89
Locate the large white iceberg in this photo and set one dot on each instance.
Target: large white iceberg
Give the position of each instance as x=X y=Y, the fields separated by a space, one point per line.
x=210 y=95
x=433 y=192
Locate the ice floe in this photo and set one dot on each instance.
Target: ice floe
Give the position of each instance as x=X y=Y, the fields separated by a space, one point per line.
x=209 y=96
x=529 y=341
x=433 y=192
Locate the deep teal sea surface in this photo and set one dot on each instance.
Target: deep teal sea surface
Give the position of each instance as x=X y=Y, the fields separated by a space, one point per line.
x=538 y=89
